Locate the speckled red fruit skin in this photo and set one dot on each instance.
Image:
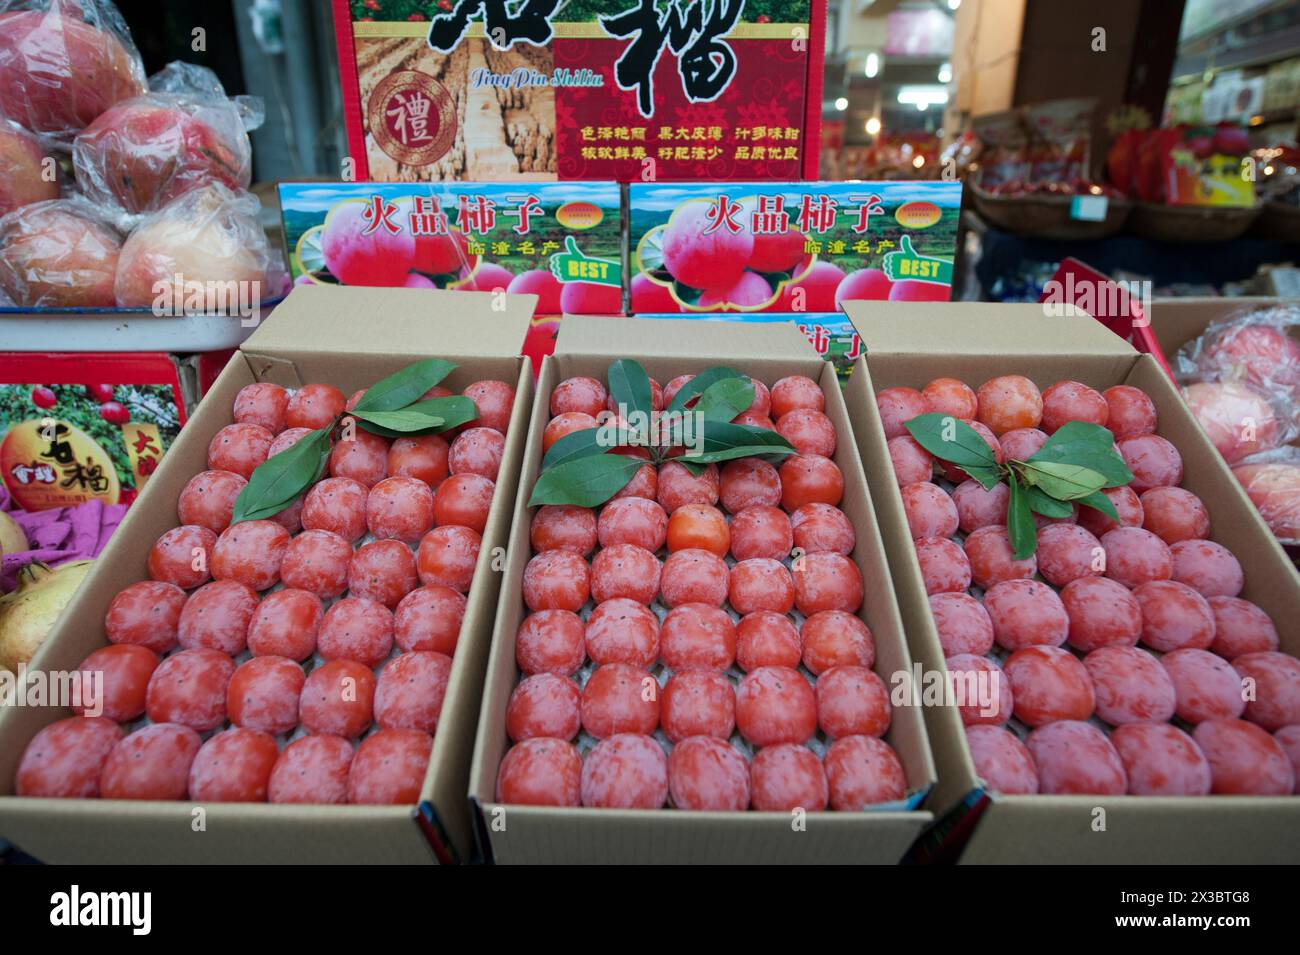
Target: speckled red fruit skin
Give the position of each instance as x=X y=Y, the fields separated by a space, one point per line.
x=217 y=616
x=977 y=507
x=827 y=582
x=358 y=629
x=285 y=624
x=208 y=499
x=1049 y=684
x=362 y=457
x=1127 y=505
x=775 y=705
x=816 y=529
x=991 y=557
x=1131 y=411
x=122 y=672
x=622 y=631
x=314 y=406
x=698 y=703
x=263 y=694
x=1067 y=552
x=1072 y=401
x=962 y=623
x=448 y=557
x=1161 y=760
x=1174 y=617
x=1002 y=761
x=540 y=772
x=708 y=774
x=250 y=552
x=625 y=571
x=383 y=571
x=338 y=699
x=1241 y=627
x=151 y=763
x=950 y=396
x=233 y=766
x=625 y=771
x=897 y=406
x=389 y=768
x=620 y=698
x=981 y=690
x=767 y=639
x=1174 y=514
x=1102 y=613
x=697 y=636
x=189 y=687
x=183 y=556
x=788 y=776
x=563 y=527
x=1009 y=402
x=65 y=758
x=1244 y=760
x=911 y=462
x=836 y=638
x=1130 y=686
x=930 y=511
x=550 y=641
x=544 y=705
x=810 y=479
x=1075 y=758
x=1208 y=568
x=1026 y=613
x=944 y=566
x=694 y=576
x=1154 y=461
x=862 y=771
x=748 y=482
x=312 y=769
x=400 y=508
x=852 y=701
x=317 y=561
x=1276 y=700
x=1135 y=557
x=239 y=448
x=556 y=580
x=1021 y=444
x=337 y=505
x=1206 y=686
x=464 y=499
x=147 y=614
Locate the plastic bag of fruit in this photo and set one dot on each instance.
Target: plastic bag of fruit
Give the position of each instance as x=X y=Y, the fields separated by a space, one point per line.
x=1272 y=482
x=60 y=253
x=194 y=254
x=1259 y=347
x=63 y=63
x=27 y=172
x=147 y=151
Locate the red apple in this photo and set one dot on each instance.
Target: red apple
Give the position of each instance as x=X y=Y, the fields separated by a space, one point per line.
x=23 y=176
x=54 y=255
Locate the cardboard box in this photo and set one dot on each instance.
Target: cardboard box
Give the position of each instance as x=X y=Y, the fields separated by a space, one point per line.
x=910 y=345
x=350 y=338
x=559 y=241
x=77 y=427
x=805 y=245
x=534 y=834
x=549 y=90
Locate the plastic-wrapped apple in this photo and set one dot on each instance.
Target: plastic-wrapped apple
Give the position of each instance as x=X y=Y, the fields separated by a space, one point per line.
x=1274 y=488
x=1263 y=355
x=1237 y=418
x=204 y=240
x=358 y=255
x=58 y=254
x=25 y=176
x=144 y=153
x=63 y=66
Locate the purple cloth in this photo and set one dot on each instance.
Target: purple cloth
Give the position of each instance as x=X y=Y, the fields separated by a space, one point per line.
x=58 y=535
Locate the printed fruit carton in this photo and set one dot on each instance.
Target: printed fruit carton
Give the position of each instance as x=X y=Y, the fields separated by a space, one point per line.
x=1150 y=627
x=544 y=89
x=560 y=243
x=789 y=247
x=77 y=427
x=831 y=334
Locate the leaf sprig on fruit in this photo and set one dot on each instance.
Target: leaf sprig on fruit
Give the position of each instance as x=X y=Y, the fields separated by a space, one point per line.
x=1074 y=466
x=586 y=468
x=391 y=408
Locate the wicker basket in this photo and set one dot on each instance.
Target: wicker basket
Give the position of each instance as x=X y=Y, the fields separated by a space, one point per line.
x=1047 y=217
x=1164 y=223
x=1279 y=221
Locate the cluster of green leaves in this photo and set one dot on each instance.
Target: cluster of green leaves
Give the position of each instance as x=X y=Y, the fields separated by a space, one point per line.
x=1074 y=466
x=580 y=470
x=391 y=408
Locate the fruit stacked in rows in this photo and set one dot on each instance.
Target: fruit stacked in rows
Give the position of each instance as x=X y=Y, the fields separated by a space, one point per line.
x=693 y=620
x=262 y=652
x=1133 y=626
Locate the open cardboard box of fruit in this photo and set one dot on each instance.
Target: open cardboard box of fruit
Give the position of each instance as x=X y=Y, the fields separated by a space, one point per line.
x=1101 y=729
x=324 y=344
x=597 y=787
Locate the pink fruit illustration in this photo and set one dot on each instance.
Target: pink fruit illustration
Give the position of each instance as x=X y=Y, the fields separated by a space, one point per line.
x=114 y=412
x=416 y=280
x=22 y=171
x=870 y=284
x=587 y=298
x=354 y=258
x=441 y=254
x=59 y=73
x=488 y=277
x=815 y=292
x=649 y=297
x=43 y=397
x=704 y=259
x=749 y=291
x=53 y=256
x=100 y=393
x=777 y=253
x=910 y=290
x=143 y=153
x=543 y=284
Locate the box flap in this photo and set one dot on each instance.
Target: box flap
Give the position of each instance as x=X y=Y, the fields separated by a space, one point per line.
x=653 y=338
x=379 y=321
x=979 y=328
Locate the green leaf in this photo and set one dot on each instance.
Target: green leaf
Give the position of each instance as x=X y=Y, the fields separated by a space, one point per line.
x=1088 y=445
x=277 y=481
x=1020 y=522
x=1041 y=503
x=728 y=454
x=576 y=444
x=585 y=482
x=629 y=386
x=1099 y=502
x=953 y=440
x=988 y=478
x=725 y=399
x=1065 y=482
x=718 y=436
x=695 y=467
x=404 y=421
x=404 y=387
x=700 y=383
x=454 y=410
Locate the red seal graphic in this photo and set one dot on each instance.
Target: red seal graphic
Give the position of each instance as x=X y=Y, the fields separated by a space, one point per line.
x=412 y=117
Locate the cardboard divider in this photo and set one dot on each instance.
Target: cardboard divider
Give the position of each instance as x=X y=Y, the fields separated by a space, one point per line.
x=350 y=338
x=535 y=834
x=982 y=343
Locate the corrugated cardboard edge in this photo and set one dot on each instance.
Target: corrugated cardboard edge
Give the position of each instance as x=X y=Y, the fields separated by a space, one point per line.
x=521 y=834
x=117 y=831
x=1056 y=828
